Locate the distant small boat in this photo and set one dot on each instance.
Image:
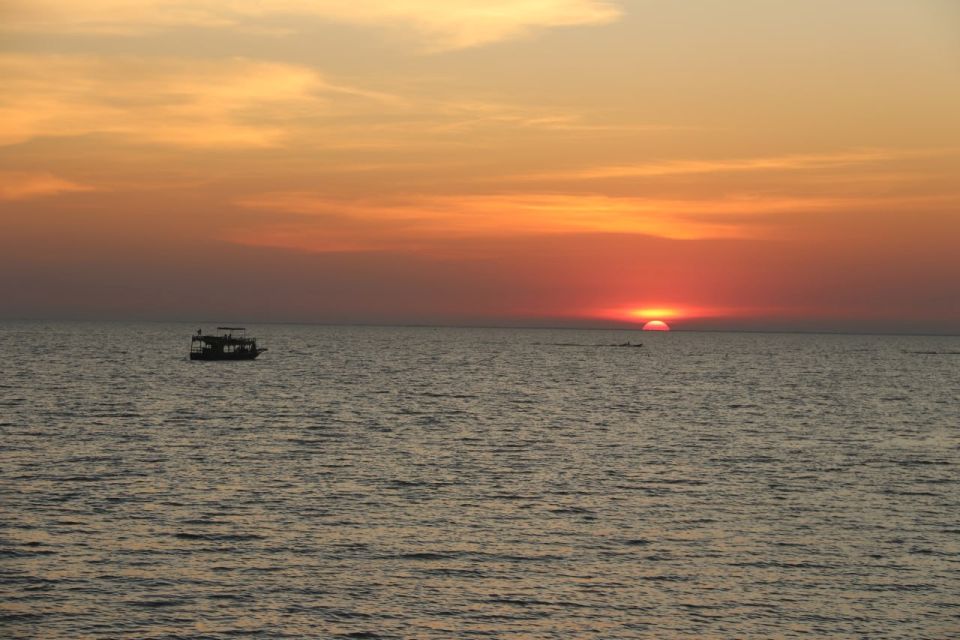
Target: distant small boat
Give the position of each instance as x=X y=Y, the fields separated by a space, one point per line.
x=230 y=343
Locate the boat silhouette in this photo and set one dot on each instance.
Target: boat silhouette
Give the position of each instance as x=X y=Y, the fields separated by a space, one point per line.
x=229 y=343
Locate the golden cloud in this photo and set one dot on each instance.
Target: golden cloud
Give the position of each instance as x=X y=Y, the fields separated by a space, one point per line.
x=791 y=162
x=327 y=224
x=192 y=103
x=22 y=185
x=232 y=103
x=445 y=24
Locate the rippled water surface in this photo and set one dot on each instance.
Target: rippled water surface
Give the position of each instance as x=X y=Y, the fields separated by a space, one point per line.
x=456 y=483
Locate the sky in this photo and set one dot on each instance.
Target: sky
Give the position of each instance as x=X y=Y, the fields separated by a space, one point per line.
x=718 y=164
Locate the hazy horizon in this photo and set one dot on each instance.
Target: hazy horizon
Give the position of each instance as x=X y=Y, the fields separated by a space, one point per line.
x=208 y=325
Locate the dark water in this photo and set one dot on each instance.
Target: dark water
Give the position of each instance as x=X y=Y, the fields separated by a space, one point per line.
x=444 y=483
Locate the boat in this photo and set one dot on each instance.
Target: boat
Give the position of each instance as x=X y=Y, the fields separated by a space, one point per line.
x=229 y=343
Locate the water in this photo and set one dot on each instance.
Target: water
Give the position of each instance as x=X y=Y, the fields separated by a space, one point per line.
x=457 y=483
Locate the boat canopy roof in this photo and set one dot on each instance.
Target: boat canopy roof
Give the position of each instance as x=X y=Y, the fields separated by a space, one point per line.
x=224 y=339
x=231 y=329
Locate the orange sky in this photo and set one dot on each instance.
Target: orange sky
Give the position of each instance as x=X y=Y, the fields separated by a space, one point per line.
x=759 y=164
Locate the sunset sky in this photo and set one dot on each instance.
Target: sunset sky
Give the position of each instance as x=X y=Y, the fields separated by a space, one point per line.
x=719 y=164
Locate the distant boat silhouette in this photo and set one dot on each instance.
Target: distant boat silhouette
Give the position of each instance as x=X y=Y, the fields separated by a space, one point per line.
x=224 y=346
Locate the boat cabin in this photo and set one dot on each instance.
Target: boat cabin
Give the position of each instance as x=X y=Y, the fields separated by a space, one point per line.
x=229 y=343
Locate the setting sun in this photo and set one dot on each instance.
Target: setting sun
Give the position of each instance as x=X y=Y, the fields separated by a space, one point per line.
x=656 y=325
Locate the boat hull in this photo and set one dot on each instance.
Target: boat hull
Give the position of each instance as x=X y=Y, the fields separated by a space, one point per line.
x=237 y=355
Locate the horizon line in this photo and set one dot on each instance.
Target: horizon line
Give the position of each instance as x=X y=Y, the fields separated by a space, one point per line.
x=543 y=327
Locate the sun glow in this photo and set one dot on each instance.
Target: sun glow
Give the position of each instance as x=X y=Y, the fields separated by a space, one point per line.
x=651 y=313
x=637 y=314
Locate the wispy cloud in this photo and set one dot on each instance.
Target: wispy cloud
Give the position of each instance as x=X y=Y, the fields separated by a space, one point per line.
x=463 y=115
x=191 y=103
x=789 y=162
x=440 y=24
x=242 y=103
x=309 y=221
x=22 y=185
